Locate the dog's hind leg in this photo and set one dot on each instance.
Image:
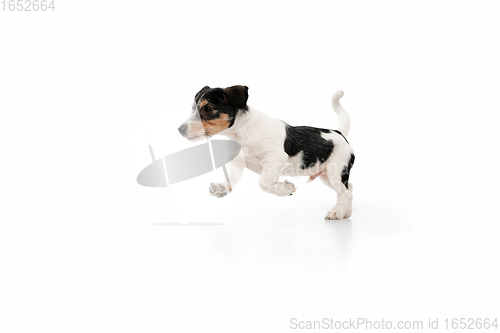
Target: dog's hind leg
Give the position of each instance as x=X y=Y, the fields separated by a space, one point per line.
x=336 y=179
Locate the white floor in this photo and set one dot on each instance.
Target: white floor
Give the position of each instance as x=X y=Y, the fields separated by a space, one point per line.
x=252 y=261
x=178 y=260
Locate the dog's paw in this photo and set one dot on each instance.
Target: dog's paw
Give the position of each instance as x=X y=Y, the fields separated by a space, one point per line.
x=284 y=189
x=338 y=213
x=219 y=190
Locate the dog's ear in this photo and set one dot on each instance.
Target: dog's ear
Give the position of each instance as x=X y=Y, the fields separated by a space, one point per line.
x=237 y=96
x=201 y=92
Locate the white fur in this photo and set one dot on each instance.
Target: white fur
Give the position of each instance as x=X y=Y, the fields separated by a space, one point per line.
x=262 y=140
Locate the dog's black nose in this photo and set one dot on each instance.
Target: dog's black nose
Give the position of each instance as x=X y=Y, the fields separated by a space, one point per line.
x=183 y=129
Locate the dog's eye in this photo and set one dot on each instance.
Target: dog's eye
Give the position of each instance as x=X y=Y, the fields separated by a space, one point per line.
x=208 y=109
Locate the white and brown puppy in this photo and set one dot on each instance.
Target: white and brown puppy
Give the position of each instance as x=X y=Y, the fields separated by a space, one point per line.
x=272 y=148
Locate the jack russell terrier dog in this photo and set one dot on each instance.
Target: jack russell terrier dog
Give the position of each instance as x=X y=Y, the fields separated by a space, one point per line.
x=272 y=148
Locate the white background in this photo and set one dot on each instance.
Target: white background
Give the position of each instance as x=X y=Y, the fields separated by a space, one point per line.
x=85 y=89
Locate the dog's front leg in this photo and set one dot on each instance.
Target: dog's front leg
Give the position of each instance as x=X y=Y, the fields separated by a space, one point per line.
x=234 y=172
x=272 y=169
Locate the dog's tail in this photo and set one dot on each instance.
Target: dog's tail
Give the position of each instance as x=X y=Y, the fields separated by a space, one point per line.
x=345 y=120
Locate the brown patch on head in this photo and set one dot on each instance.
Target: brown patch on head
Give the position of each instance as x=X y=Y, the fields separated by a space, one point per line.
x=215 y=126
x=202 y=103
x=207 y=110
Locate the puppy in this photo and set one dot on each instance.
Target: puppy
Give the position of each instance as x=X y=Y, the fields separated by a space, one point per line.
x=272 y=148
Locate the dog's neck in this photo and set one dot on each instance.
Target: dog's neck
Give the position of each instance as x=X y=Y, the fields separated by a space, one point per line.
x=243 y=124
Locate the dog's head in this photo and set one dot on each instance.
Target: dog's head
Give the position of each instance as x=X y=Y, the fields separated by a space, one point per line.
x=214 y=111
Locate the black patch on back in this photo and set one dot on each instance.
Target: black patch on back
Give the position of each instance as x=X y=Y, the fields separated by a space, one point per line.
x=309 y=141
x=347 y=170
